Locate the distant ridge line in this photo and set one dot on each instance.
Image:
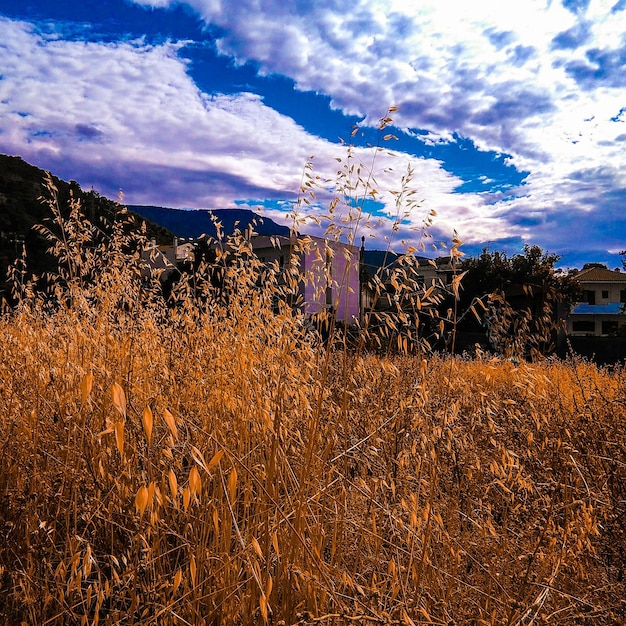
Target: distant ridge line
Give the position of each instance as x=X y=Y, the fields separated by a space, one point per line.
x=191 y=223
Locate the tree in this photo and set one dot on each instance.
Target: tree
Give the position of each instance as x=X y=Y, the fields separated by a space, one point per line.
x=515 y=300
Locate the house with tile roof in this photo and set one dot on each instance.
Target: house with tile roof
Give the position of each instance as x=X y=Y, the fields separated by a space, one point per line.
x=602 y=310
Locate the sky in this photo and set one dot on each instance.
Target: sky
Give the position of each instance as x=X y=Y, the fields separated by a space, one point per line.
x=510 y=127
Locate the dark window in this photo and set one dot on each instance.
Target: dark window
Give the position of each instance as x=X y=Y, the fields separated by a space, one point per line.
x=589 y=296
x=609 y=327
x=622 y=295
x=583 y=326
x=605 y=295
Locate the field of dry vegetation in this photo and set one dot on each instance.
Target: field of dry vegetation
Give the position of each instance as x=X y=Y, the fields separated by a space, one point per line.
x=207 y=461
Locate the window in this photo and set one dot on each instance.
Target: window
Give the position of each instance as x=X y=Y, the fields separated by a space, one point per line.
x=589 y=296
x=622 y=295
x=609 y=327
x=583 y=326
x=605 y=294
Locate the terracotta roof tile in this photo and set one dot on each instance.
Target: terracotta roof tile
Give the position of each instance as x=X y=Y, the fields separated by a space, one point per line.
x=598 y=274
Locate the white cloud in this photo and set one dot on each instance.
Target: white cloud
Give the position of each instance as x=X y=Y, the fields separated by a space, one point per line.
x=450 y=63
x=517 y=78
x=144 y=107
x=531 y=79
x=127 y=115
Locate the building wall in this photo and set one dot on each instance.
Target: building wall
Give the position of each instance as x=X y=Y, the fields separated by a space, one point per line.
x=596 y=325
x=600 y=311
x=604 y=292
x=332 y=279
x=160 y=258
x=330 y=270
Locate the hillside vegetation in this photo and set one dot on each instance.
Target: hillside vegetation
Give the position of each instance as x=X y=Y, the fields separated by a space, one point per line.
x=22 y=187
x=207 y=460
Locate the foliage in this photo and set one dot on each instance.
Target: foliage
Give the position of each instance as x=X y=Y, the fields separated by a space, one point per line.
x=21 y=188
x=515 y=299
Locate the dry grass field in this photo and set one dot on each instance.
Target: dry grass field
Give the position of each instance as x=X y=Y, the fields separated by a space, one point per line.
x=207 y=461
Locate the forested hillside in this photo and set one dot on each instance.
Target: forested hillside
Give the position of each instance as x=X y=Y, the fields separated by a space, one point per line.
x=21 y=207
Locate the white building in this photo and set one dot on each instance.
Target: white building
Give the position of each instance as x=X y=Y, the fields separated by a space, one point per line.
x=602 y=309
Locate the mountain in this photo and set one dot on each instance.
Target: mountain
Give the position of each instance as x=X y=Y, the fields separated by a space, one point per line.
x=193 y=223
x=21 y=207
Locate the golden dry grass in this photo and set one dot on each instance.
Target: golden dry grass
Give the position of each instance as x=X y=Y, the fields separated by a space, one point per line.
x=199 y=463
x=206 y=460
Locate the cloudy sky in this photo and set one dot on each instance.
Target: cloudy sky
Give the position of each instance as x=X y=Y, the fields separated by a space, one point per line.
x=511 y=115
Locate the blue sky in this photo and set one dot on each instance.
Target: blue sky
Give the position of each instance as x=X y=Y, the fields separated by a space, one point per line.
x=512 y=116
